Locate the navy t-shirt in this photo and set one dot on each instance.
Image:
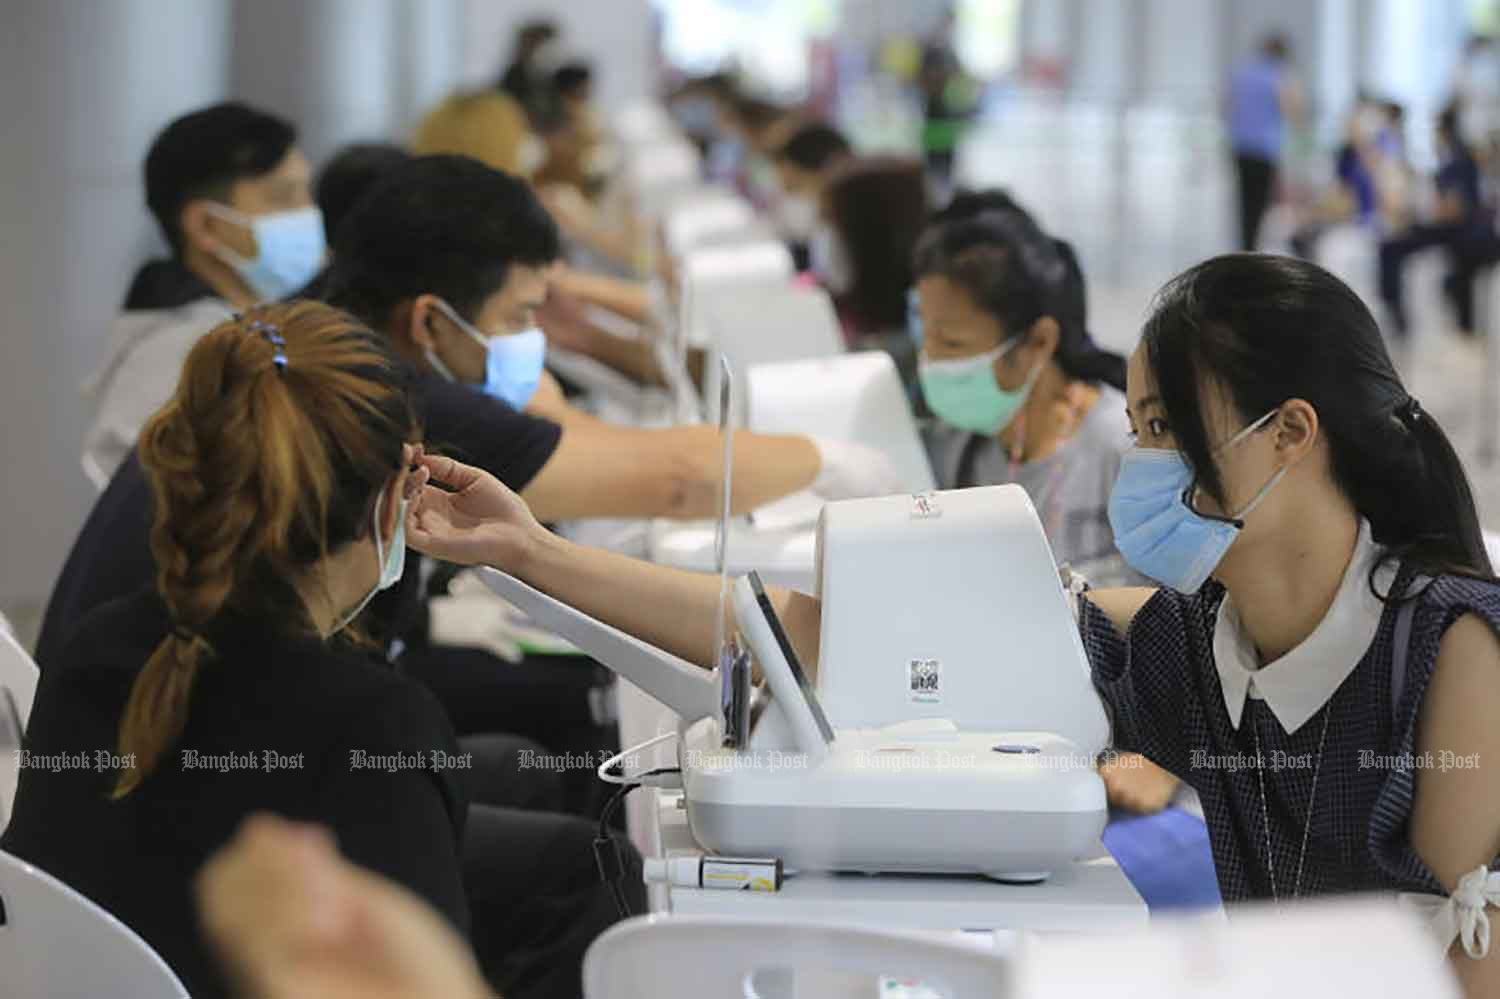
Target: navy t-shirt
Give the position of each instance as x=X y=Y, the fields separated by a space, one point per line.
x=1459 y=176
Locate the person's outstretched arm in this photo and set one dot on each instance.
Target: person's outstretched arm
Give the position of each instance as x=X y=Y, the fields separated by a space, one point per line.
x=473 y=519
x=602 y=470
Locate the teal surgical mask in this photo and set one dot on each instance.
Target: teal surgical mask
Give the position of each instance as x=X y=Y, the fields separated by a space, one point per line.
x=964 y=393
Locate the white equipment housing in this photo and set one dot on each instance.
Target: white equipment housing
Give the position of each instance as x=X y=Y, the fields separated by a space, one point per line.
x=959 y=698
x=855 y=397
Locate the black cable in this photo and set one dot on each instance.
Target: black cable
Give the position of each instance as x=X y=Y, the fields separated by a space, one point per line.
x=607 y=858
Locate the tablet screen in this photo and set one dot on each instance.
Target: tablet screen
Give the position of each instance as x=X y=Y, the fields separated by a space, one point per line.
x=733 y=660
x=790 y=655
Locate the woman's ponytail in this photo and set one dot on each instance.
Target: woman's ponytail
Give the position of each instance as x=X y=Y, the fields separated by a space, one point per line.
x=284 y=427
x=1411 y=486
x=1080 y=358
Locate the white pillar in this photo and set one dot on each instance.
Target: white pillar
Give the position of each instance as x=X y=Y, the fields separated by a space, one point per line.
x=1102 y=65
x=84 y=88
x=613 y=35
x=1182 y=64
x=430 y=54
x=330 y=66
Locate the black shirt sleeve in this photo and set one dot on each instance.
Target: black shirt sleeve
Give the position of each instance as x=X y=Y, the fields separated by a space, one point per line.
x=397 y=798
x=477 y=429
x=111 y=558
x=1143 y=678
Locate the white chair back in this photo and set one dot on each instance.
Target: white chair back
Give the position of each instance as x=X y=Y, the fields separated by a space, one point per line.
x=54 y=942
x=643 y=122
x=855 y=397
x=18 y=679
x=764 y=322
x=670 y=162
x=692 y=220
x=1365 y=948
x=708 y=957
x=715 y=269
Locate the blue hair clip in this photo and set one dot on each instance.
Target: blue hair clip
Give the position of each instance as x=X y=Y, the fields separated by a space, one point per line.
x=272 y=334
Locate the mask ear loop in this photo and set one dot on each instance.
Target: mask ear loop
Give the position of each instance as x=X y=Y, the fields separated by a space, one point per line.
x=1020 y=417
x=452 y=316
x=1238 y=520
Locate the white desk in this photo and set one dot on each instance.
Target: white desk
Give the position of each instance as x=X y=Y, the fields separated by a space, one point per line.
x=1090 y=896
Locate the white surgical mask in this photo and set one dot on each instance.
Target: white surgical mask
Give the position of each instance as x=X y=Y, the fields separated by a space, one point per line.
x=392 y=562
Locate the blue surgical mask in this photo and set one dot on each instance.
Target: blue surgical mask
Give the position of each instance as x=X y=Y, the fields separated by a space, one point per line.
x=964 y=393
x=289 y=250
x=1155 y=527
x=512 y=364
x=392 y=562
x=914 y=317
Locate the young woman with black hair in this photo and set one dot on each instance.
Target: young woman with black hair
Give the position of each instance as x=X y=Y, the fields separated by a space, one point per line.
x=1320 y=663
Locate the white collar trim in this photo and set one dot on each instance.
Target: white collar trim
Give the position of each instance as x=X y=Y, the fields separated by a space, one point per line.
x=1302 y=681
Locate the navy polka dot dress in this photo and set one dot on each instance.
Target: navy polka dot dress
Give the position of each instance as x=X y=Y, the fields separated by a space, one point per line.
x=1163 y=691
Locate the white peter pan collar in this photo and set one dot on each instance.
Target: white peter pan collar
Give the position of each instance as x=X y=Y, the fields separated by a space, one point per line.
x=1300 y=682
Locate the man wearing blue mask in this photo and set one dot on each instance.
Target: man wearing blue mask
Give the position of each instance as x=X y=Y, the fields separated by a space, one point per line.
x=232 y=195
x=450 y=259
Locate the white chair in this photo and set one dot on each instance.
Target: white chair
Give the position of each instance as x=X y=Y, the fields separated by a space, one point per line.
x=1365 y=947
x=672 y=161
x=54 y=942
x=855 y=397
x=709 y=957
x=763 y=319
x=643 y=122
x=691 y=221
x=18 y=679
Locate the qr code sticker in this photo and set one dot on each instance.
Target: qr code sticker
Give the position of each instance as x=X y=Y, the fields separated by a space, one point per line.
x=925 y=680
x=925 y=506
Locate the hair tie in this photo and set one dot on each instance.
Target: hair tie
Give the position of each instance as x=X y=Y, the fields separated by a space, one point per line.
x=180 y=632
x=271 y=333
x=1409 y=412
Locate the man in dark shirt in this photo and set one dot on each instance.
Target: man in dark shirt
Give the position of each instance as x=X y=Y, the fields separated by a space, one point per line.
x=1459 y=224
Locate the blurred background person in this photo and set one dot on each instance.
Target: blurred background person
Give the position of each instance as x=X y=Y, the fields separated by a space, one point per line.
x=872 y=211
x=804 y=162
x=528 y=76
x=1457 y=222
x=1263 y=100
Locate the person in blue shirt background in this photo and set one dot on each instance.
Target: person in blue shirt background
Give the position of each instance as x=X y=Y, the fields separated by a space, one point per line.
x=1262 y=99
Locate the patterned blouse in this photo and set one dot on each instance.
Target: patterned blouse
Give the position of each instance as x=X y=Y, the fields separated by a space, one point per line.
x=1162 y=686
